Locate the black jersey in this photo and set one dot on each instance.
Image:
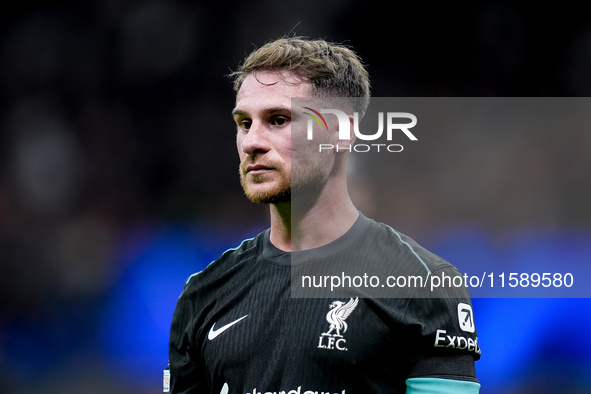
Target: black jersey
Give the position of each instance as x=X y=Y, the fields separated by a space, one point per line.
x=237 y=328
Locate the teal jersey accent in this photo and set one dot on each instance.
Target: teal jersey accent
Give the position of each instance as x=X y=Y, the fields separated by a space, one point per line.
x=411 y=249
x=440 y=386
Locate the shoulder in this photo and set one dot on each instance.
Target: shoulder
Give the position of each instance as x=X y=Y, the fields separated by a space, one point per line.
x=232 y=258
x=407 y=249
x=204 y=290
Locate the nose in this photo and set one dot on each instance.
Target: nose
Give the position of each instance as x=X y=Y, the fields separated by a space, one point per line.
x=255 y=140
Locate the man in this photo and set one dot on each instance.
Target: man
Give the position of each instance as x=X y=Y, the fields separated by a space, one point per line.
x=238 y=329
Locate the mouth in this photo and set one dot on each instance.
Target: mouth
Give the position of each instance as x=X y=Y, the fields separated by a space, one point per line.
x=257 y=169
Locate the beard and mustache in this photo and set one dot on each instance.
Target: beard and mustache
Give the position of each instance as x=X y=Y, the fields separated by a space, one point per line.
x=280 y=193
x=306 y=175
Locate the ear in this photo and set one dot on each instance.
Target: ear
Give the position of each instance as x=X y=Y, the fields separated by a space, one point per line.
x=346 y=145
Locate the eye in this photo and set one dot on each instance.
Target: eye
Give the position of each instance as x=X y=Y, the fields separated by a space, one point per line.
x=279 y=120
x=244 y=124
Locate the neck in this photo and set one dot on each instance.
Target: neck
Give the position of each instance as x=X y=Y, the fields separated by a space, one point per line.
x=313 y=218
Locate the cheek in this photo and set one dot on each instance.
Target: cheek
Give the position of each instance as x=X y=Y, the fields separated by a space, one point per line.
x=283 y=145
x=239 y=142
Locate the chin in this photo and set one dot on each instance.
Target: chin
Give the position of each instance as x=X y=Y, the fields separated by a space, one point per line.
x=268 y=196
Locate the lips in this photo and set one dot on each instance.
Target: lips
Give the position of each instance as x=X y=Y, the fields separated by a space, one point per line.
x=257 y=169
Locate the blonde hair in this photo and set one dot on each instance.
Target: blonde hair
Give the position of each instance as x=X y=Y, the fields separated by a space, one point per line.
x=333 y=70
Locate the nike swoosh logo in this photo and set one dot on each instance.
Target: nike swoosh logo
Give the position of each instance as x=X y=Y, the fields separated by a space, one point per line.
x=213 y=333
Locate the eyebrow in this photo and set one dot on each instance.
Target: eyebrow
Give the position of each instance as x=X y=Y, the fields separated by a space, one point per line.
x=272 y=110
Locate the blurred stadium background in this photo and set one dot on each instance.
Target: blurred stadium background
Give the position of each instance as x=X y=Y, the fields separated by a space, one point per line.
x=118 y=173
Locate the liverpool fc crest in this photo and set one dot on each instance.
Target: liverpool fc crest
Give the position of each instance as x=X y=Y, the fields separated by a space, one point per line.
x=339 y=312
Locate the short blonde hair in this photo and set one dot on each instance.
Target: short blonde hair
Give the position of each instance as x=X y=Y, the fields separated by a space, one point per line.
x=333 y=70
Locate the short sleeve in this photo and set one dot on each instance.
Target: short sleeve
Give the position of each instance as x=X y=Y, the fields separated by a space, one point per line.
x=187 y=374
x=445 y=340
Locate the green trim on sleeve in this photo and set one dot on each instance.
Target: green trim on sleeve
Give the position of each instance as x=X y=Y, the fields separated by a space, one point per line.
x=440 y=386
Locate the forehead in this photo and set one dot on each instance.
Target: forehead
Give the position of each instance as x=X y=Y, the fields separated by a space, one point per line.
x=270 y=89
